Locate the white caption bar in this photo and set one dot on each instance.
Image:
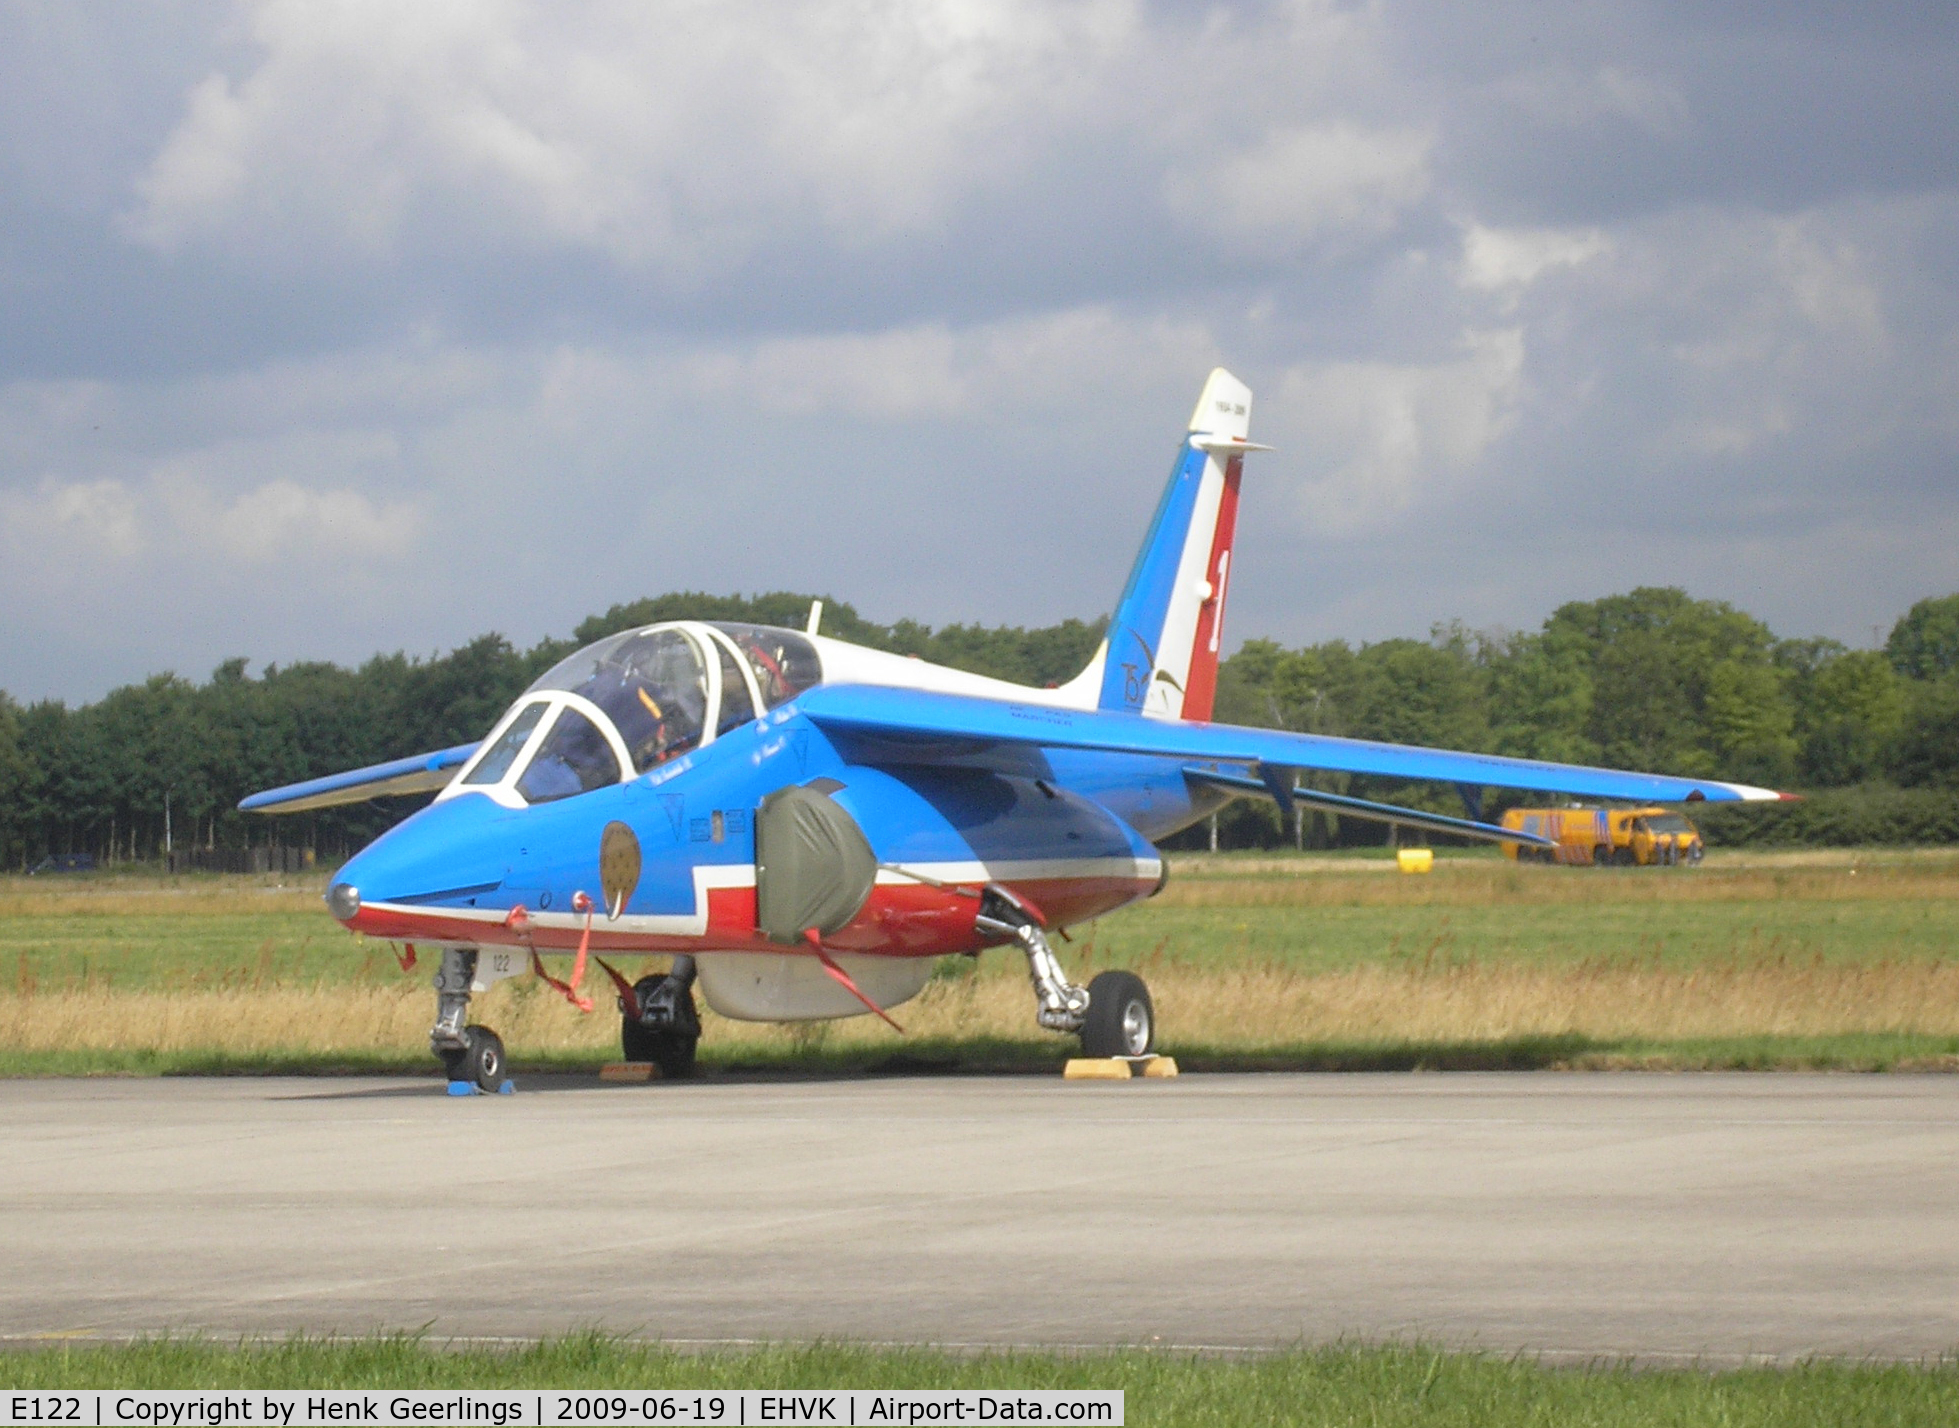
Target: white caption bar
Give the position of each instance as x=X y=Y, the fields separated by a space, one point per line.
x=553 y=1408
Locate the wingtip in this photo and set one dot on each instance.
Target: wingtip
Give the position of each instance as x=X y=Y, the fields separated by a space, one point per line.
x=1739 y=793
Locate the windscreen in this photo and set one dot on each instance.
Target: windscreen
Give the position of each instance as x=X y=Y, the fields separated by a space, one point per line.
x=784 y=662
x=574 y=758
x=1669 y=823
x=651 y=684
x=496 y=763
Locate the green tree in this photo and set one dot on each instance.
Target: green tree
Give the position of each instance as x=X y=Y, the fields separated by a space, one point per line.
x=1679 y=685
x=15 y=774
x=1928 y=747
x=1424 y=693
x=1851 y=707
x=1540 y=698
x=1925 y=643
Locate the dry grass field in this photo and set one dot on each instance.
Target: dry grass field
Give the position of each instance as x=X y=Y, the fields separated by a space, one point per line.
x=1809 y=960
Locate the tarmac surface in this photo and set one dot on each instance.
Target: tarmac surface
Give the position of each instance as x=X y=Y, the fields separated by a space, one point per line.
x=1664 y=1218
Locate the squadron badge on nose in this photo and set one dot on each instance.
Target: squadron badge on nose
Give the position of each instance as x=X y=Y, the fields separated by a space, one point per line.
x=618 y=866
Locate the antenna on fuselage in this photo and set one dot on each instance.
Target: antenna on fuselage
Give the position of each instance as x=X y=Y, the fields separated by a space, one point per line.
x=815 y=617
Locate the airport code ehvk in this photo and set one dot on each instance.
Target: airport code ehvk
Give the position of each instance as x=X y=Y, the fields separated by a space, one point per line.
x=550 y=1408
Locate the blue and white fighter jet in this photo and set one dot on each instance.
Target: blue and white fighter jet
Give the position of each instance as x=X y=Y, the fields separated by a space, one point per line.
x=803 y=824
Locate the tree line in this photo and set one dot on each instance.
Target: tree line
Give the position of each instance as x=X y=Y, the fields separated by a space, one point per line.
x=1651 y=679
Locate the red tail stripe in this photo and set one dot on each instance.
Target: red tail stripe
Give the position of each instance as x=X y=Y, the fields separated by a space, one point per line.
x=1201 y=686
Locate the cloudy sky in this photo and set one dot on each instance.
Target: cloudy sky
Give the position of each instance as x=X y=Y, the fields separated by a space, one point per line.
x=335 y=327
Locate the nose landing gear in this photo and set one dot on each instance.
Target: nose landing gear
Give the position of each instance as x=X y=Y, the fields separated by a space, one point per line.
x=471 y=1055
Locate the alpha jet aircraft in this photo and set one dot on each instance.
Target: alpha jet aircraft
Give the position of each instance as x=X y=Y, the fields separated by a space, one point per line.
x=804 y=825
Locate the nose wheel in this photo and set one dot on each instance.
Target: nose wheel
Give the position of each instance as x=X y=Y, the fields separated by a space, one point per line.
x=478 y=1061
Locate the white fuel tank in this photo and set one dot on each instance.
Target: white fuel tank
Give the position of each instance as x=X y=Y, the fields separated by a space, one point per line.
x=787 y=986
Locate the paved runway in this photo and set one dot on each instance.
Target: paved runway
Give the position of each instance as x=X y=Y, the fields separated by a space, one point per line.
x=1657 y=1216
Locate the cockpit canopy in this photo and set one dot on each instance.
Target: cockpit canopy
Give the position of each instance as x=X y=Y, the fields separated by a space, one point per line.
x=634 y=700
x=652 y=685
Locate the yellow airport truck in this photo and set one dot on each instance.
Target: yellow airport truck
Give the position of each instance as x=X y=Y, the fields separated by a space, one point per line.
x=1601 y=837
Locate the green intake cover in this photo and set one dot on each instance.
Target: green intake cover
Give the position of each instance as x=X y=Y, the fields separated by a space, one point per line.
x=813 y=867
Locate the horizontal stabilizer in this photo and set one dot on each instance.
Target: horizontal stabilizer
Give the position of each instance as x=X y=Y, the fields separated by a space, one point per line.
x=421 y=773
x=954 y=725
x=1377 y=812
x=1203 y=441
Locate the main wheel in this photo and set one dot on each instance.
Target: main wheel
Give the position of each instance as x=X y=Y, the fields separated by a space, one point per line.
x=1601 y=856
x=1626 y=858
x=669 y=1048
x=1121 y=1021
x=481 y=1060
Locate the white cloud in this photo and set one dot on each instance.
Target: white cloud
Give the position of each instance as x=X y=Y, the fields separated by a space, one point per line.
x=1507 y=260
x=1036 y=367
x=1567 y=97
x=682 y=140
x=109 y=529
x=61 y=519
x=674 y=136
x=1302 y=184
x=1384 y=437
x=1771 y=325
x=283 y=522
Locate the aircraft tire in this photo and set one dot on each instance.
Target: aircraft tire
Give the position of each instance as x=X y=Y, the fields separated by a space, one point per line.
x=1121 y=1018
x=481 y=1061
x=669 y=1048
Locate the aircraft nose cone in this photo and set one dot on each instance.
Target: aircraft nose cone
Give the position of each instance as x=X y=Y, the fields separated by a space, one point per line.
x=451 y=849
x=343 y=900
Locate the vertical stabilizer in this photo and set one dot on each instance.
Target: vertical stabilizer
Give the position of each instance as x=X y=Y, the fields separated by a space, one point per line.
x=1161 y=658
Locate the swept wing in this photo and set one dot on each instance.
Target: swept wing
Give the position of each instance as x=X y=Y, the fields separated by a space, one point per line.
x=933 y=725
x=419 y=773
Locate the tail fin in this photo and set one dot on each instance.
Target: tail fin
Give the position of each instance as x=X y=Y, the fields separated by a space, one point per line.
x=1161 y=656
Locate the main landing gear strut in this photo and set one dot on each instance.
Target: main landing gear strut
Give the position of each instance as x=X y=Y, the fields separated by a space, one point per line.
x=1113 y=1013
x=472 y=1055
x=659 y=1022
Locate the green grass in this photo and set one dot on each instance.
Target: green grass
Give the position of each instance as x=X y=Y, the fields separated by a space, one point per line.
x=304 y=948
x=1377 y=1387
x=204 y=931
x=1325 y=938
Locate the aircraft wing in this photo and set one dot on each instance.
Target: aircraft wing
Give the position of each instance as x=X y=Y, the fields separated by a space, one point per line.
x=420 y=773
x=932 y=726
